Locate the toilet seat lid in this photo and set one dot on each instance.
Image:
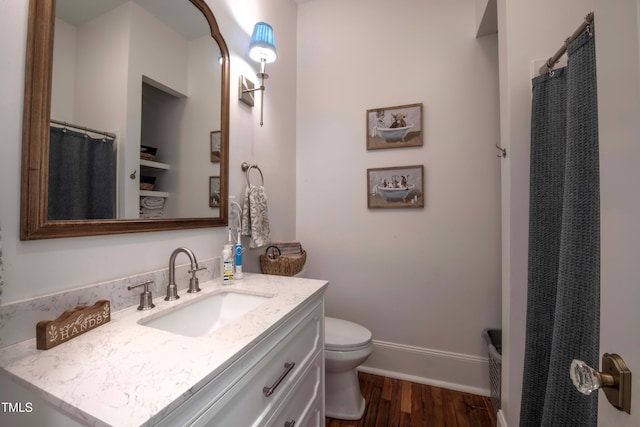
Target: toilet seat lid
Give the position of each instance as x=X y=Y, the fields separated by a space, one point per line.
x=339 y=333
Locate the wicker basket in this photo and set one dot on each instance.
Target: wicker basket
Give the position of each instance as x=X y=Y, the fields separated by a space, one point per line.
x=145 y=186
x=148 y=153
x=284 y=265
x=147 y=182
x=494 y=342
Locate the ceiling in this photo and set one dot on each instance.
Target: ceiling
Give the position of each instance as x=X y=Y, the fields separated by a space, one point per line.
x=187 y=21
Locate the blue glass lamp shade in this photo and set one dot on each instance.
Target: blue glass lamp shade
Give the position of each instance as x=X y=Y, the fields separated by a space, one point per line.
x=263 y=44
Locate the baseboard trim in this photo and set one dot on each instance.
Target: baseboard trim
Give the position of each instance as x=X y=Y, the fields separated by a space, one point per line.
x=454 y=371
x=502 y=422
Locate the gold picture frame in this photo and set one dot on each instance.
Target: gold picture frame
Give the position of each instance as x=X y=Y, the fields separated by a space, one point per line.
x=214 y=191
x=395 y=187
x=394 y=127
x=216 y=144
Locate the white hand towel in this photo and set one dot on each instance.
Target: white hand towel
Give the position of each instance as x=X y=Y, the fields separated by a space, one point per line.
x=151 y=213
x=255 y=216
x=152 y=202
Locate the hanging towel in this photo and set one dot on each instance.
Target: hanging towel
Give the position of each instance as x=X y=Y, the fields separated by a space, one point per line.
x=255 y=216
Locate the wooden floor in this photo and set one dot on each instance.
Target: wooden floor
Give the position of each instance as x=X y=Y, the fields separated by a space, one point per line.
x=392 y=402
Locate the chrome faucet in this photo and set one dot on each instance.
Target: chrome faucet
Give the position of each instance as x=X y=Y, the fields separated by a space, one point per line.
x=172 y=289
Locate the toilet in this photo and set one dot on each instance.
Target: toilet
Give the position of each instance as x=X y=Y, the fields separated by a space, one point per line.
x=346 y=346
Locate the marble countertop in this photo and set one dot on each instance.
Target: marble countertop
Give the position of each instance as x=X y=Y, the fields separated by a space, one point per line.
x=126 y=374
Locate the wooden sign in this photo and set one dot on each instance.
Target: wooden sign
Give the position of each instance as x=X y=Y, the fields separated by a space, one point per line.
x=71 y=323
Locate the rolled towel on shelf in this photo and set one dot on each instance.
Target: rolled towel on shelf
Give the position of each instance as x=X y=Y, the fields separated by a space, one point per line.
x=152 y=202
x=151 y=213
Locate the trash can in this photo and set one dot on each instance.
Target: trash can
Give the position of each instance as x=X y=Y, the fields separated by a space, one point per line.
x=494 y=342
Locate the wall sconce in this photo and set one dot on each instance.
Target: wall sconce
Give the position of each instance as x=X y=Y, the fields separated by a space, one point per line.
x=262 y=49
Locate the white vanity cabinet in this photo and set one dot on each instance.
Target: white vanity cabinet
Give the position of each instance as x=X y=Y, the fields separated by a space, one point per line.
x=278 y=382
x=265 y=368
x=304 y=404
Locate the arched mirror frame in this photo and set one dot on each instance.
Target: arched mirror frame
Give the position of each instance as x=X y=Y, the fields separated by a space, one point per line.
x=35 y=141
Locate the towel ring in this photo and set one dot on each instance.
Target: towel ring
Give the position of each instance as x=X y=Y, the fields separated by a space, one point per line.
x=246 y=167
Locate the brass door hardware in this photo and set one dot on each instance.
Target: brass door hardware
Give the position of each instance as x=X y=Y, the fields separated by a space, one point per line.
x=614 y=380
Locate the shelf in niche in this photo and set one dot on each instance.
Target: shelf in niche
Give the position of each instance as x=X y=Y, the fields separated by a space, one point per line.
x=155 y=165
x=147 y=193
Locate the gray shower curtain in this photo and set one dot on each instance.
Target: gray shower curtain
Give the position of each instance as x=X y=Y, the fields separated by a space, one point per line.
x=82 y=176
x=563 y=298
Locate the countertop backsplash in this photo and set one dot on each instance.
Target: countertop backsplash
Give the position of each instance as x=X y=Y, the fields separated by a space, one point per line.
x=18 y=319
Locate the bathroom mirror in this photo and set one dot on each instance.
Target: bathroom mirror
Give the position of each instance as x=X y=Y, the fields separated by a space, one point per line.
x=173 y=102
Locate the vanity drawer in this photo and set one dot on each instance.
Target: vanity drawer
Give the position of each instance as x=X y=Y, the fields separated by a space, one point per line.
x=260 y=390
x=303 y=406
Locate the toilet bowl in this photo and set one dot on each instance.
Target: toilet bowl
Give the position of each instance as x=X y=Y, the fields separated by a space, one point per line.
x=347 y=345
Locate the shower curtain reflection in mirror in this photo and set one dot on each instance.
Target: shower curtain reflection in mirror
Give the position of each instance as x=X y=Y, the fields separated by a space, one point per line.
x=82 y=176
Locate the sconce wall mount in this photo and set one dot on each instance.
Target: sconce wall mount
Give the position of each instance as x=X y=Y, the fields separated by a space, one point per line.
x=246 y=91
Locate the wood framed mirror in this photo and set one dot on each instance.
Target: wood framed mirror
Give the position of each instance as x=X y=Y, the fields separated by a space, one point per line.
x=36 y=220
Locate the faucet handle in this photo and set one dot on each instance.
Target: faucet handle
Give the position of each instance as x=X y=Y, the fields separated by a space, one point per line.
x=146 y=300
x=193 y=271
x=194 y=283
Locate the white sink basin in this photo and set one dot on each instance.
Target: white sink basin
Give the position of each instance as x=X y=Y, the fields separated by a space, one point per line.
x=205 y=314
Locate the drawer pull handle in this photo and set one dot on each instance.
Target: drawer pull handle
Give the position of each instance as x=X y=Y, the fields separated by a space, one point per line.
x=268 y=391
x=289 y=423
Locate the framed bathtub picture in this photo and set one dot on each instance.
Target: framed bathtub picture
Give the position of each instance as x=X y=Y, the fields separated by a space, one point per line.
x=394 y=127
x=216 y=155
x=214 y=191
x=395 y=187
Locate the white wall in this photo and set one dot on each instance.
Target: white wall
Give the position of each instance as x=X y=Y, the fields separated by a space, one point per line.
x=528 y=32
x=202 y=112
x=39 y=267
x=424 y=281
x=102 y=45
x=97 y=48
x=64 y=72
x=618 y=70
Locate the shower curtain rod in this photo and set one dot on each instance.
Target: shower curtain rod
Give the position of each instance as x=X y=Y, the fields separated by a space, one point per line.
x=84 y=128
x=548 y=66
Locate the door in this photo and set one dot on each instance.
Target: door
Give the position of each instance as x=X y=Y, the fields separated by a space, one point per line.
x=618 y=70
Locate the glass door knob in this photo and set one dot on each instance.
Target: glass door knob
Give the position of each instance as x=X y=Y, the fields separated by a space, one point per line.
x=614 y=380
x=586 y=379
